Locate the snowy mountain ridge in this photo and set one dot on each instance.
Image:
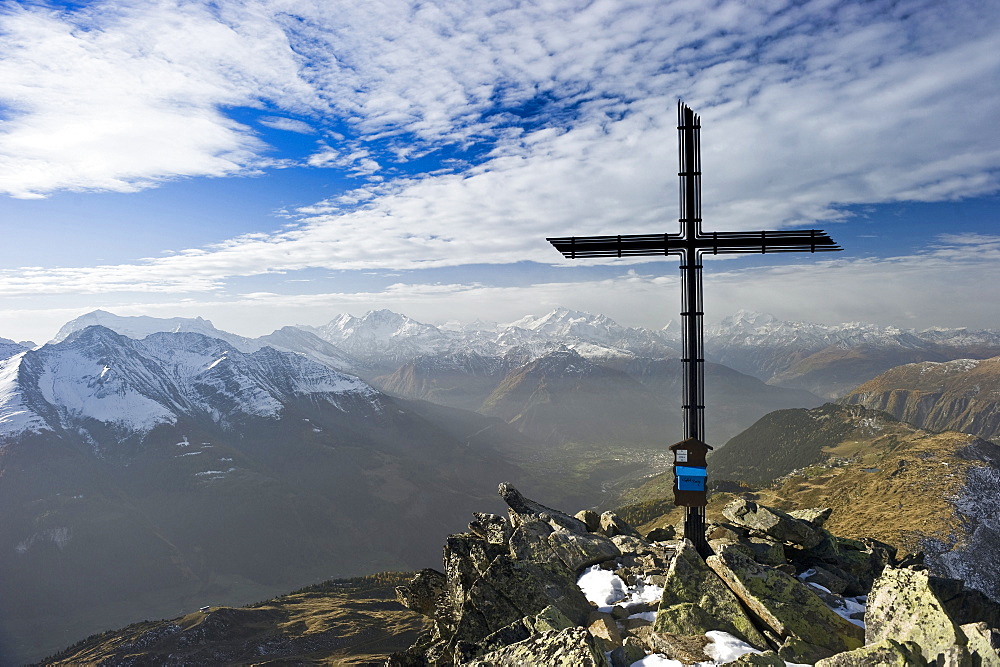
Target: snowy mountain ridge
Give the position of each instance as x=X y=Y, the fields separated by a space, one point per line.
x=598 y=335
x=289 y=339
x=749 y=328
x=98 y=375
x=140 y=326
x=381 y=340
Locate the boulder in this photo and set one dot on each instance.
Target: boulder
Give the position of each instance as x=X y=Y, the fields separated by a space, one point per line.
x=423 y=592
x=524 y=507
x=507 y=592
x=578 y=551
x=887 y=653
x=604 y=628
x=590 y=518
x=765 y=659
x=695 y=601
x=857 y=562
x=772 y=522
x=530 y=540
x=902 y=606
x=664 y=534
x=766 y=551
x=798 y=651
x=965 y=605
x=493 y=528
x=688 y=649
x=816 y=516
x=572 y=647
x=492 y=591
x=786 y=606
x=535 y=540
x=631 y=651
x=641 y=560
x=718 y=546
x=547 y=619
x=612 y=524
x=818 y=574
x=983 y=643
x=466 y=557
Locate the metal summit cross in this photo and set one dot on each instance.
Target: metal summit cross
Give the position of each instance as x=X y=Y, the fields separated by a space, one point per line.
x=691 y=244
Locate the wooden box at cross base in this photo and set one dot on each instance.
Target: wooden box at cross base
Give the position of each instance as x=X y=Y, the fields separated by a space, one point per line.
x=690 y=473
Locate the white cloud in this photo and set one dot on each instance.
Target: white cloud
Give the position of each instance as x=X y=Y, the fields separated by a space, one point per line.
x=807 y=107
x=144 y=85
x=123 y=96
x=287 y=124
x=944 y=286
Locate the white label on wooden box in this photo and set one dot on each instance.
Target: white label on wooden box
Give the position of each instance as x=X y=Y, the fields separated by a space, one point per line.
x=682 y=456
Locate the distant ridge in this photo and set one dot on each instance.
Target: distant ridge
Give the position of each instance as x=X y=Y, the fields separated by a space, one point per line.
x=959 y=395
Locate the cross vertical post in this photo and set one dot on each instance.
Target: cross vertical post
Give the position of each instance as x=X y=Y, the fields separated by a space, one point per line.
x=692 y=337
x=691 y=244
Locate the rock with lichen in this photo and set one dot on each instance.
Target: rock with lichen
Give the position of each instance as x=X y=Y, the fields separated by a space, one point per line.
x=787 y=607
x=695 y=600
x=509 y=595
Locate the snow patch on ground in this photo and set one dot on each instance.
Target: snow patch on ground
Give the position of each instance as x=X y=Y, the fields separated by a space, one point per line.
x=602 y=587
x=953 y=366
x=217 y=361
x=606 y=589
x=723 y=648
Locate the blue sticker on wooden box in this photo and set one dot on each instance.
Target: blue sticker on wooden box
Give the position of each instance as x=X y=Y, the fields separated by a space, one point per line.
x=690 y=478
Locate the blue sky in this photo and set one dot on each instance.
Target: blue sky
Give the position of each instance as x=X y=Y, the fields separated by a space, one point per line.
x=270 y=162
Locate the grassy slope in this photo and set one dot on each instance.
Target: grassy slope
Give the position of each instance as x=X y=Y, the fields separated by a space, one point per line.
x=896 y=489
x=341 y=622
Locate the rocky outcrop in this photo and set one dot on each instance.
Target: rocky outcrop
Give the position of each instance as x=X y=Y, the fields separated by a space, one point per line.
x=773 y=523
x=886 y=653
x=572 y=647
x=808 y=629
x=913 y=606
x=520 y=590
x=695 y=600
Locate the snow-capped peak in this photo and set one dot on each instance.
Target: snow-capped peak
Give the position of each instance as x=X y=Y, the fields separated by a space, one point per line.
x=139 y=326
x=383 y=333
x=96 y=374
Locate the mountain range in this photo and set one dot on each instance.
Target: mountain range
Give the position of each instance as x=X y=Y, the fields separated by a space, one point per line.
x=207 y=465
x=144 y=477
x=827 y=360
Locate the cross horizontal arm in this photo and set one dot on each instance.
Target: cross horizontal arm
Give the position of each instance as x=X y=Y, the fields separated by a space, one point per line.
x=718 y=243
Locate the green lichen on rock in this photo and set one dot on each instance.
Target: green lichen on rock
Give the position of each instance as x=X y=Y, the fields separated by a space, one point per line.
x=695 y=601
x=983 y=643
x=786 y=605
x=765 y=659
x=903 y=606
x=886 y=653
x=772 y=522
x=573 y=647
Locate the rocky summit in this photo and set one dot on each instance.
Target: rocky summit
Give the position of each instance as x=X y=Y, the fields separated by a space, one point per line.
x=542 y=587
